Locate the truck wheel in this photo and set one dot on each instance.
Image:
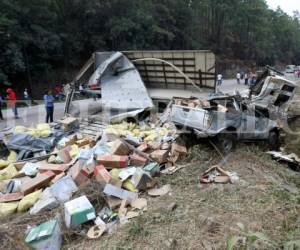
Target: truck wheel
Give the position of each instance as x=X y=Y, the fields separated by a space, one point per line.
x=273 y=140
x=226 y=142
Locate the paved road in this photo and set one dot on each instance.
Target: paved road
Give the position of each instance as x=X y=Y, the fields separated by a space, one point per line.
x=230 y=85
x=30 y=116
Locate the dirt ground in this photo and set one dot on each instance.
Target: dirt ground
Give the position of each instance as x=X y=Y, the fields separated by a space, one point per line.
x=265 y=203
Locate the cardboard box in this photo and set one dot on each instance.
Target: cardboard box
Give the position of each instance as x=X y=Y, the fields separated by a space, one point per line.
x=64 y=154
x=84 y=142
x=137 y=160
x=160 y=156
x=78 y=174
x=57 y=177
x=113 y=202
x=19 y=165
x=177 y=148
x=102 y=175
x=46 y=236
x=154 y=145
x=152 y=168
x=11 y=197
x=119 y=148
x=119 y=192
x=165 y=146
x=116 y=182
x=56 y=168
x=37 y=182
x=143 y=147
x=113 y=161
x=78 y=211
x=70 y=123
x=89 y=167
x=142 y=180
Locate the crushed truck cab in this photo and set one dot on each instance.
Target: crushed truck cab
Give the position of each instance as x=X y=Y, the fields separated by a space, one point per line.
x=229 y=118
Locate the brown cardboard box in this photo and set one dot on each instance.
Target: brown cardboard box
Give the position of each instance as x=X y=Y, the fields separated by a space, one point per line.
x=165 y=146
x=89 y=168
x=78 y=174
x=56 y=168
x=113 y=161
x=113 y=202
x=116 y=182
x=11 y=197
x=137 y=160
x=72 y=140
x=119 y=148
x=57 y=177
x=102 y=175
x=64 y=154
x=69 y=123
x=40 y=181
x=154 y=145
x=19 y=165
x=142 y=180
x=160 y=156
x=84 y=142
x=143 y=147
x=177 y=148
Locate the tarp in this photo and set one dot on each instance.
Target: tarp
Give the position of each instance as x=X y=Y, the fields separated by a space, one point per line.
x=22 y=141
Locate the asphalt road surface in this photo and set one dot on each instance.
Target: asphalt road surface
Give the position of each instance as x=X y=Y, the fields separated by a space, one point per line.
x=30 y=116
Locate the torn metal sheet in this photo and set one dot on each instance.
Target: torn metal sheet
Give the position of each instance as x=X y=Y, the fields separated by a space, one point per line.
x=120 y=83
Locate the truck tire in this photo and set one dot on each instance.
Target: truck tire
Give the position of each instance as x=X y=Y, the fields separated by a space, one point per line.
x=226 y=142
x=273 y=140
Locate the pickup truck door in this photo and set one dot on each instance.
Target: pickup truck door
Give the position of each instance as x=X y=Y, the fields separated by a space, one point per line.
x=253 y=126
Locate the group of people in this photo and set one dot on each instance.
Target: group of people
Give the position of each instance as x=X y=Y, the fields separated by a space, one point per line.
x=249 y=78
x=11 y=102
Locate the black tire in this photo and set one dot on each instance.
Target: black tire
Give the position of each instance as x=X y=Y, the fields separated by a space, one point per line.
x=226 y=142
x=273 y=140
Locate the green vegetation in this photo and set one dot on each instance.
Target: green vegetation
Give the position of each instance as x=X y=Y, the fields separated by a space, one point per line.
x=44 y=40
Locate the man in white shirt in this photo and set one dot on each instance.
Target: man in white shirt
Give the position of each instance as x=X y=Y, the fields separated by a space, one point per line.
x=26 y=97
x=238 y=77
x=219 y=79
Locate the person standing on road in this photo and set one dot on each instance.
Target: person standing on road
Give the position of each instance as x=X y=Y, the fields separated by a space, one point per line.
x=219 y=79
x=26 y=97
x=1 y=102
x=12 y=101
x=246 y=78
x=238 y=77
x=49 y=105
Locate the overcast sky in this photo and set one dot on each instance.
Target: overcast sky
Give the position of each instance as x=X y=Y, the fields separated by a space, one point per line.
x=287 y=5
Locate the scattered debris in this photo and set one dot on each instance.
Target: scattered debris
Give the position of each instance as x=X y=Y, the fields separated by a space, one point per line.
x=96 y=231
x=46 y=236
x=218 y=175
x=160 y=191
x=289 y=158
x=48 y=164
x=78 y=211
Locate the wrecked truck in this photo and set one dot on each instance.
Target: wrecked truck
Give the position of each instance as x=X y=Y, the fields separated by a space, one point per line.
x=226 y=119
x=130 y=84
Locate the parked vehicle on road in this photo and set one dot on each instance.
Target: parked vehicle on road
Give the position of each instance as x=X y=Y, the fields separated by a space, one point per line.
x=289 y=69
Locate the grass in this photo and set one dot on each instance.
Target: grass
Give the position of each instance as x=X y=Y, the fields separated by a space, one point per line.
x=207 y=216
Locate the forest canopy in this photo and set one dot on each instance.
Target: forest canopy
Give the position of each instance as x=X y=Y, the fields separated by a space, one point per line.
x=39 y=37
